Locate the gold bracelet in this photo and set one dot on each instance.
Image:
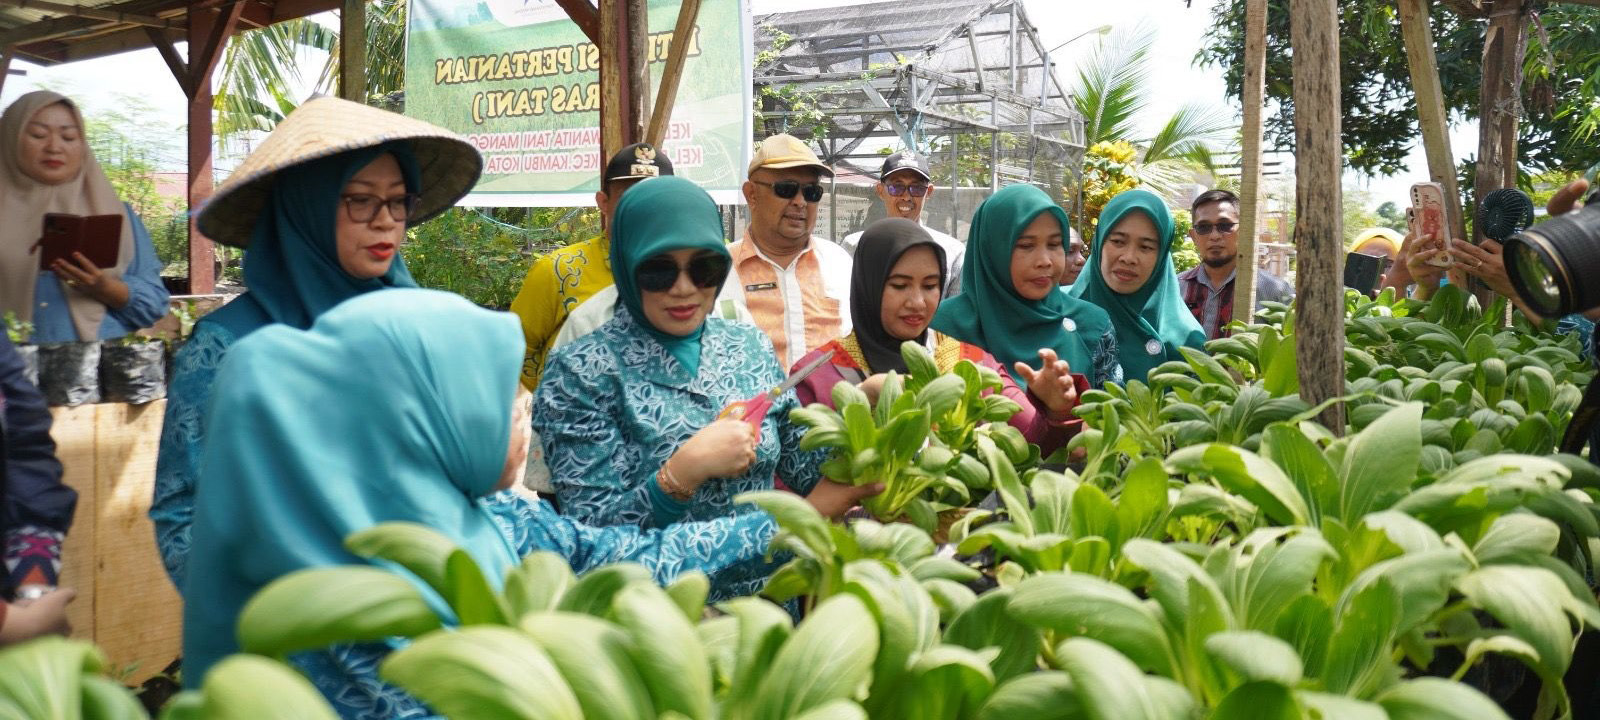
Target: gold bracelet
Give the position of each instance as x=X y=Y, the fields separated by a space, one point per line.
x=670 y=484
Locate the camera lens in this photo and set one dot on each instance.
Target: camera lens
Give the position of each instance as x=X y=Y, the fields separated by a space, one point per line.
x=1555 y=265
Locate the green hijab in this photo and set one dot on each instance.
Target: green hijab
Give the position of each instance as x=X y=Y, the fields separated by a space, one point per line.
x=292 y=266
x=1153 y=317
x=394 y=406
x=658 y=216
x=990 y=314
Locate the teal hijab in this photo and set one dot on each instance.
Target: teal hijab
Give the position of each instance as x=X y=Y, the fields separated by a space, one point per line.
x=1153 y=317
x=990 y=314
x=657 y=216
x=292 y=265
x=394 y=406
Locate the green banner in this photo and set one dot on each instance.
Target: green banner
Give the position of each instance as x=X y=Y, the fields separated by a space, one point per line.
x=522 y=83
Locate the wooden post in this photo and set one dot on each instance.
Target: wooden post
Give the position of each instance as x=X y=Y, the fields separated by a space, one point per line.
x=1319 y=156
x=1417 y=30
x=353 y=51
x=1254 y=94
x=661 y=116
x=1500 y=106
x=619 y=106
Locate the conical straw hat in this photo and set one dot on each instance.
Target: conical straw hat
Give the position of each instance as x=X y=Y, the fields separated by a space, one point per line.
x=325 y=126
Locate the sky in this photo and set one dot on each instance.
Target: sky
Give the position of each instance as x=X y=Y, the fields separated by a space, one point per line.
x=103 y=84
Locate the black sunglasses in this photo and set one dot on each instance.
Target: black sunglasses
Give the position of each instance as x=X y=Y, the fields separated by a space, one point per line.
x=660 y=273
x=1204 y=229
x=898 y=190
x=787 y=188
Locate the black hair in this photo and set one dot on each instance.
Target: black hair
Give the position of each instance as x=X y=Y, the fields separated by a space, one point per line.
x=1214 y=196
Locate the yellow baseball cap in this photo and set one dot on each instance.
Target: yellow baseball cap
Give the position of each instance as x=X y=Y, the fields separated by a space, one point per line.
x=786 y=151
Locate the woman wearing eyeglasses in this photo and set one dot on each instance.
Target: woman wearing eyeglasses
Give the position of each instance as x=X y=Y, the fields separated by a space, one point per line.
x=629 y=413
x=1129 y=274
x=321 y=208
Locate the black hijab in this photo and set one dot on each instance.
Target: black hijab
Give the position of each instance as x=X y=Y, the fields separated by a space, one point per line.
x=881 y=246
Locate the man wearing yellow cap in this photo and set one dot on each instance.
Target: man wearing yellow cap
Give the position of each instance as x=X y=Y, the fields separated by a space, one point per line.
x=795 y=286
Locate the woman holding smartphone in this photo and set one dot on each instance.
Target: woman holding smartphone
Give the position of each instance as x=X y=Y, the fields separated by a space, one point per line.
x=46 y=167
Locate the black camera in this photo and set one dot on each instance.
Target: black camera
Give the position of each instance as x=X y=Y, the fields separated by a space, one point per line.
x=1555 y=265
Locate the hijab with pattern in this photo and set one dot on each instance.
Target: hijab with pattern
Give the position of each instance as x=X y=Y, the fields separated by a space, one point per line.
x=292 y=266
x=658 y=216
x=1154 y=317
x=990 y=314
x=882 y=245
x=24 y=202
x=415 y=387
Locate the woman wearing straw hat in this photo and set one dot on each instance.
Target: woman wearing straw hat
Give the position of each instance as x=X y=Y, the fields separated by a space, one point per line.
x=321 y=208
x=45 y=168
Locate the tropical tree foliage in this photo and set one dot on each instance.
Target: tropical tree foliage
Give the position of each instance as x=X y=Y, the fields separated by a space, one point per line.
x=1112 y=91
x=1379 y=120
x=261 y=69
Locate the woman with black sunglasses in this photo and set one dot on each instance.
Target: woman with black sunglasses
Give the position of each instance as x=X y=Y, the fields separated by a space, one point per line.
x=629 y=413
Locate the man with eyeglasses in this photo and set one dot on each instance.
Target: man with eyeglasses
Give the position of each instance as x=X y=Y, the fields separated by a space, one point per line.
x=796 y=287
x=1208 y=287
x=904 y=186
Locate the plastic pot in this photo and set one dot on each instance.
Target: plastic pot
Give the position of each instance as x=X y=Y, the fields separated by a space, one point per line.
x=69 y=373
x=30 y=362
x=133 y=373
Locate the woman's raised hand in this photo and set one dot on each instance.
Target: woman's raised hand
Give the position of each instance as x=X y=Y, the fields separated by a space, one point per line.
x=1052 y=383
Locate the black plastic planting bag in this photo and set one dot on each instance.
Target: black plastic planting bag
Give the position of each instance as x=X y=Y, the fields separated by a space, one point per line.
x=69 y=373
x=133 y=373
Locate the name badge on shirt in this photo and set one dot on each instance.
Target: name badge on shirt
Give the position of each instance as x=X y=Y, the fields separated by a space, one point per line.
x=1068 y=325
x=1152 y=347
x=761 y=286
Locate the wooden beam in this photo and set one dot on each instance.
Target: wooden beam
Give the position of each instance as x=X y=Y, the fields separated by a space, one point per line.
x=638 y=55
x=175 y=62
x=93 y=13
x=204 y=56
x=677 y=54
x=353 y=51
x=586 y=15
x=1417 y=30
x=1319 y=237
x=1253 y=96
x=202 y=254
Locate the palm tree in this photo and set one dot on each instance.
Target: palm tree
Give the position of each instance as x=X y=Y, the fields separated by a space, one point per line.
x=1111 y=90
x=261 y=68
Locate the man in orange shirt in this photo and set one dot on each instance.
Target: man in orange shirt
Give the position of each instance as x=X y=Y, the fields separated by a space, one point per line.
x=795 y=286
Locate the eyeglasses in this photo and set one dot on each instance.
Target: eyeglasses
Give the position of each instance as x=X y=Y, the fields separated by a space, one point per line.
x=1205 y=228
x=786 y=189
x=898 y=190
x=363 y=208
x=660 y=273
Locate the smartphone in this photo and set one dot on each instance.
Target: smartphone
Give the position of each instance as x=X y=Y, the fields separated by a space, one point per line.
x=98 y=237
x=1432 y=219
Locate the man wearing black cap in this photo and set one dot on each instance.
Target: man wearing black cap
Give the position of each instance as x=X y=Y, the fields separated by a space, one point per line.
x=561 y=279
x=904 y=186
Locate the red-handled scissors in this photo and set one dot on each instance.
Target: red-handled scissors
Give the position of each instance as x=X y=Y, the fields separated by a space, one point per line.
x=754 y=410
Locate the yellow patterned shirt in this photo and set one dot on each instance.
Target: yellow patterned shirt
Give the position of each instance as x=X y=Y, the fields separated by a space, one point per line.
x=557 y=283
